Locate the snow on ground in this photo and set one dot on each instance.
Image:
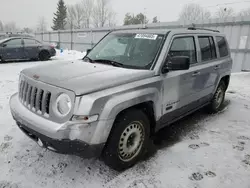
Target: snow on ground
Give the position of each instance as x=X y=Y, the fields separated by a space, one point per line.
x=68 y=55
x=202 y=151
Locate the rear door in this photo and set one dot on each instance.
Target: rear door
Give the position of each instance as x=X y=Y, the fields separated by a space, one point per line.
x=13 y=49
x=207 y=74
x=31 y=48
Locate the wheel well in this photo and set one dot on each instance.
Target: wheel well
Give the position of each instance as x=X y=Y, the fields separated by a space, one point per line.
x=42 y=51
x=226 y=80
x=148 y=109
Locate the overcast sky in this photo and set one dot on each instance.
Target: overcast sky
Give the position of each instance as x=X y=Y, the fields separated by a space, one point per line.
x=27 y=12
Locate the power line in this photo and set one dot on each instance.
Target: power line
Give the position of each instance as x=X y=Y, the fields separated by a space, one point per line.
x=193 y=1
x=230 y=3
x=222 y=4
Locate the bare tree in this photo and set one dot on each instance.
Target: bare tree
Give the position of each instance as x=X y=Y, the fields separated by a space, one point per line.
x=10 y=27
x=1 y=26
x=245 y=12
x=87 y=6
x=111 y=19
x=100 y=13
x=76 y=16
x=224 y=12
x=42 y=25
x=193 y=12
x=27 y=30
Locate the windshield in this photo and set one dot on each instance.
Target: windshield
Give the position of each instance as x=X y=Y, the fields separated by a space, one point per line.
x=130 y=50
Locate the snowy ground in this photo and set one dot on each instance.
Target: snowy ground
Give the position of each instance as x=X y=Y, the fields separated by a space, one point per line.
x=200 y=151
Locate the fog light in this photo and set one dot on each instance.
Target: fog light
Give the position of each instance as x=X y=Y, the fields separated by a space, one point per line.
x=85 y=119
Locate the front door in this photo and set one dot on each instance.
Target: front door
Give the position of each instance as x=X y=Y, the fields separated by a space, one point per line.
x=13 y=49
x=178 y=94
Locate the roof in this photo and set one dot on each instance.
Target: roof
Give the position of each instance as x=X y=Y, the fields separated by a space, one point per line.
x=8 y=38
x=165 y=31
x=11 y=35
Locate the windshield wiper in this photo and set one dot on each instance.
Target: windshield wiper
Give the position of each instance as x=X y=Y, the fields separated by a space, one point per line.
x=109 y=62
x=88 y=58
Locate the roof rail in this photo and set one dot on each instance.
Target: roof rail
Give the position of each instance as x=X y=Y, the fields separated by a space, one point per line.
x=199 y=28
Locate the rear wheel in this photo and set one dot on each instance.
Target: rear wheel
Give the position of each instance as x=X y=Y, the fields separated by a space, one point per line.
x=128 y=140
x=217 y=102
x=44 y=56
x=1 y=60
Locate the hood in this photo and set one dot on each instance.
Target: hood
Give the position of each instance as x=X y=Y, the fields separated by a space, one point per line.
x=82 y=77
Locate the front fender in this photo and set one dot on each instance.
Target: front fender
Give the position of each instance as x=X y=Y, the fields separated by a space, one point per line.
x=110 y=102
x=121 y=102
x=117 y=104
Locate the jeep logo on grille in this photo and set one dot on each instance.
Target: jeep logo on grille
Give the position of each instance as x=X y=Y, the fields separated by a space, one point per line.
x=36 y=76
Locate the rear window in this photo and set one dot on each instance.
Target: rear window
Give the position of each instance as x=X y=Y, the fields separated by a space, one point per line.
x=222 y=45
x=29 y=41
x=207 y=48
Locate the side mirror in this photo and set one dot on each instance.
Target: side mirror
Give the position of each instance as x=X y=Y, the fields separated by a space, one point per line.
x=176 y=63
x=3 y=45
x=88 y=50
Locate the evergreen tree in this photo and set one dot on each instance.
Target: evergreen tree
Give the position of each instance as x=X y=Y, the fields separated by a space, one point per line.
x=155 y=20
x=132 y=20
x=59 y=20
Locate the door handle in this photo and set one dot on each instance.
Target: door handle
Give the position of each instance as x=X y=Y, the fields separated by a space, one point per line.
x=216 y=67
x=196 y=74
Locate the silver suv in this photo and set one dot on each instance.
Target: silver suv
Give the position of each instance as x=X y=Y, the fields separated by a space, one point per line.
x=130 y=85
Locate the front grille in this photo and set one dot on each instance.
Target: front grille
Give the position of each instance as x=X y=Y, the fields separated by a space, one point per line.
x=34 y=98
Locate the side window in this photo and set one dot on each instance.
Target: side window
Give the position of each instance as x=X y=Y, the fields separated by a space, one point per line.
x=207 y=48
x=29 y=42
x=14 y=43
x=183 y=46
x=213 y=49
x=222 y=45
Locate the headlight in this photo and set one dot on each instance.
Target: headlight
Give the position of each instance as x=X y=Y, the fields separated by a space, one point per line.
x=63 y=104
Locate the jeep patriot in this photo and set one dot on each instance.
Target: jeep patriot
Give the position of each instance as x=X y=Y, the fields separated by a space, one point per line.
x=129 y=85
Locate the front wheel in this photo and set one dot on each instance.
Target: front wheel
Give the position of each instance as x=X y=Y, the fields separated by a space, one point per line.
x=128 y=140
x=217 y=101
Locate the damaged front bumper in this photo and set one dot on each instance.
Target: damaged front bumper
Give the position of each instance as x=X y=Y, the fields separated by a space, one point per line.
x=66 y=138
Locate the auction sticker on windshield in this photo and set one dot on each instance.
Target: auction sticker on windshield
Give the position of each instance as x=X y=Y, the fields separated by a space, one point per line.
x=146 y=36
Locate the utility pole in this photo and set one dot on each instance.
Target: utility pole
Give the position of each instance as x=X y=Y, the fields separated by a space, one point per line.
x=144 y=18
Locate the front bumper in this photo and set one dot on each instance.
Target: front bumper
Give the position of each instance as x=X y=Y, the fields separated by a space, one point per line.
x=65 y=146
x=52 y=52
x=65 y=138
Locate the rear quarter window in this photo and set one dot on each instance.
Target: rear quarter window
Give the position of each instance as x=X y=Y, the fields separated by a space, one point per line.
x=222 y=45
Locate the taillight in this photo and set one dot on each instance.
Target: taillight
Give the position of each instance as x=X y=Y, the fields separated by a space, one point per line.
x=52 y=45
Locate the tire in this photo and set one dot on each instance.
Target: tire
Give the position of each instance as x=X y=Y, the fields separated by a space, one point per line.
x=1 y=60
x=128 y=140
x=44 y=56
x=217 y=101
